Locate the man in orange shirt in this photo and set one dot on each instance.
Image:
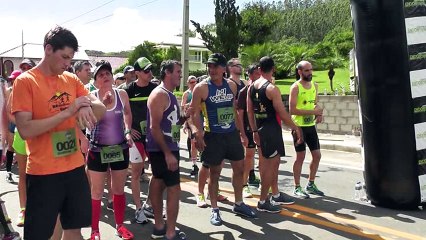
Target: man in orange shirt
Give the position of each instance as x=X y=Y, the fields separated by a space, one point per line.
x=56 y=181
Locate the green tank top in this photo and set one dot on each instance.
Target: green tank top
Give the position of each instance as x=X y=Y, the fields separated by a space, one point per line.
x=305 y=101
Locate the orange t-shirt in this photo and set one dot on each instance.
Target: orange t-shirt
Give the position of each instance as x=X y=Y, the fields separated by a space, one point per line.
x=45 y=96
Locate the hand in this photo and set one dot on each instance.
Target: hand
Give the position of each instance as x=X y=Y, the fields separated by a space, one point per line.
x=84 y=145
x=318 y=110
x=136 y=135
x=78 y=103
x=244 y=139
x=172 y=162
x=299 y=136
x=199 y=141
x=256 y=138
x=86 y=117
x=129 y=140
x=107 y=99
x=319 y=119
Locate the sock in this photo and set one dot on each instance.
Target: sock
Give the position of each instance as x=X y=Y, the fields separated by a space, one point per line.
x=9 y=160
x=119 y=204
x=215 y=209
x=238 y=203
x=310 y=183
x=252 y=177
x=261 y=202
x=96 y=214
x=276 y=195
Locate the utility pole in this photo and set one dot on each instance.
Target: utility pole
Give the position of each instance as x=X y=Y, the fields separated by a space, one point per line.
x=185 y=44
x=22 y=41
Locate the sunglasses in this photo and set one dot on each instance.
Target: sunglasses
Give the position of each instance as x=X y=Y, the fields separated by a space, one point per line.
x=147 y=70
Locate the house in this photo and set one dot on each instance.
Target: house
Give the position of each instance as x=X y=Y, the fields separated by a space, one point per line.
x=115 y=61
x=10 y=59
x=198 y=53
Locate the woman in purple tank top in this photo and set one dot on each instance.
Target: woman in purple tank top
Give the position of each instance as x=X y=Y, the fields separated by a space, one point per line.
x=109 y=148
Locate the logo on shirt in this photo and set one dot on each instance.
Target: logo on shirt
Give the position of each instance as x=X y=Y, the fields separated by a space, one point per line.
x=221 y=96
x=59 y=102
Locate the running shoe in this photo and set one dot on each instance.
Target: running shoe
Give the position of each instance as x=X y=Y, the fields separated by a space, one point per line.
x=179 y=236
x=95 y=235
x=244 y=210
x=268 y=206
x=110 y=205
x=9 y=178
x=140 y=216
x=124 y=233
x=299 y=193
x=201 y=201
x=215 y=218
x=246 y=192
x=254 y=183
x=159 y=234
x=21 y=218
x=194 y=171
x=149 y=211
x=283 y=199
x=12 y=236
x=312 y=189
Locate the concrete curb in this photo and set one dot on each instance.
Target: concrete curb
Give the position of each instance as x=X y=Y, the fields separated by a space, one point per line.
x=331 y=146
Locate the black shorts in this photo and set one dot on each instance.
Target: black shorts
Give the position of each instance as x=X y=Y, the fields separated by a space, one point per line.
x=310 y=137
x=271 y=139
x=160 y=170
x=94 y=162
x=250 y=139
x=67 y=194
x=220 y=146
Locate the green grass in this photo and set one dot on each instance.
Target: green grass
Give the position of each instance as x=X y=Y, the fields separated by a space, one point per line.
x=341 y=78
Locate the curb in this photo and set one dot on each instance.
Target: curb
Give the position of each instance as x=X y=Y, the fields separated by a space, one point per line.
x=330 y=146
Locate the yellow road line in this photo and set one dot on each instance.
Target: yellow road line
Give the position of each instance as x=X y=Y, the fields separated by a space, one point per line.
x=331 y=219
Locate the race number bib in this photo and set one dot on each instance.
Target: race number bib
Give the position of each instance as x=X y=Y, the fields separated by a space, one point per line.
x=143 y=127
x=64 y=143
x=225 y=115
x=176 y=133
x=110 y=154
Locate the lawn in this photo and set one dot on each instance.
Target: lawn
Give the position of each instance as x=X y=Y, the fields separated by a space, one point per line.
x=341 y=78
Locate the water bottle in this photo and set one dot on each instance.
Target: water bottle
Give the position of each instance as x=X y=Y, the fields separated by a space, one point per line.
x=358 y=191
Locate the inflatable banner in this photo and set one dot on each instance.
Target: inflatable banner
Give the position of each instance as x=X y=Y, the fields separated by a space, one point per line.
x=386 y=101
x=415 y=24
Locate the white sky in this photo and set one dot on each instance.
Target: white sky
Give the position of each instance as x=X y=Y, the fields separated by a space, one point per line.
x=132 y=21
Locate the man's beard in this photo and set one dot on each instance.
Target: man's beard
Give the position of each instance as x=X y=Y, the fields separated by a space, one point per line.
x=307 y=78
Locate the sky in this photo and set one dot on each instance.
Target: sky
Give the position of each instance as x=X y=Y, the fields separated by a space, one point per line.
x=105 y=25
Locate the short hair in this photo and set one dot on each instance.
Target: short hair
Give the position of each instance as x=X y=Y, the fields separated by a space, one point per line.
x=59 y=38
x=300 y=64
x=78 y=66
x=266 y=64
x=231 y=61
x=252 y=67
x=168 y=65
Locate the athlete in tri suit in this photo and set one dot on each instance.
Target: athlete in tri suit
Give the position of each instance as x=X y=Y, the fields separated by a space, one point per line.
x=246 y=133
x=109 y=148
x=164 y=121
x=220 y=138
x=138 y=92
x=263 y=104
x=306 y=113
x=56 y=181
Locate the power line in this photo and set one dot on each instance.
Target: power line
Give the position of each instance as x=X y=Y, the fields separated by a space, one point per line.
x=110 y=15
x=96 y=8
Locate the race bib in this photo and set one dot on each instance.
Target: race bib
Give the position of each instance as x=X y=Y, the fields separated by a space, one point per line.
x=64 y=143
x=110 y=154
x=176 y=133
x=225 y=115
x=143 y=127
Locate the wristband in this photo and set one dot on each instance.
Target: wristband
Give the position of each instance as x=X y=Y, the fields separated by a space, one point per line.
x=128 y=131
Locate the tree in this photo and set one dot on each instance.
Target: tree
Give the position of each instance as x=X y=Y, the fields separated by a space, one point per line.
x=228 y=25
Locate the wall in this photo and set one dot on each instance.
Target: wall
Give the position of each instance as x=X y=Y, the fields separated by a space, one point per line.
x=341 y=114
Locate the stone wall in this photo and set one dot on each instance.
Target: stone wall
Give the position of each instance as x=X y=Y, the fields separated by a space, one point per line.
x=341 y=114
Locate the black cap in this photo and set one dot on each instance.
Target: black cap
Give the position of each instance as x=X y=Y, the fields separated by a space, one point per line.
x=128 y=69
x=102 y=65
x=217 y=59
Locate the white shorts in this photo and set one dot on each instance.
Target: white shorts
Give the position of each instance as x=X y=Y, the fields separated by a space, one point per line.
x=134 y=155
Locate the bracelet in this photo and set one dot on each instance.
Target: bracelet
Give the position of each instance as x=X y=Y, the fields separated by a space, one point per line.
x=128 y=131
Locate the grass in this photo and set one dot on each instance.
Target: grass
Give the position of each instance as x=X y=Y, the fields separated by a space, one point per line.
x=341 y=78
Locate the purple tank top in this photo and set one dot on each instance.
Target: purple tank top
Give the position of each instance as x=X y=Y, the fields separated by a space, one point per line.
x=110 y=129
x=169 y=125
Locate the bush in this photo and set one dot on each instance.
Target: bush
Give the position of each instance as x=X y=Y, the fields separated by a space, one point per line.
x=198 y=73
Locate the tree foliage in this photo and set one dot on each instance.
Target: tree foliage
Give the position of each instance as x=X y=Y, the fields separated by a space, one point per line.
x=226 y=39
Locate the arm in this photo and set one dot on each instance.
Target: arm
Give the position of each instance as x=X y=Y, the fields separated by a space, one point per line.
x=319 y=118
x=127 y=116
x=241 y=106
x=157 y=103
x=294 y=91
x=183 y=104
x=250 y=116
x=8 y=109
x=88 y=115
x=233 y=87
x=200 y=92
x=84 y=142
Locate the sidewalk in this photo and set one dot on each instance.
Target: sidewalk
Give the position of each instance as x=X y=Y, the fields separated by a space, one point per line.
x=345 y=143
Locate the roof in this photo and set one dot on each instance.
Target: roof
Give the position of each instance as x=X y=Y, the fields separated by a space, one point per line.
x=36 y=51
x=115 y=62
x=194 y=43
